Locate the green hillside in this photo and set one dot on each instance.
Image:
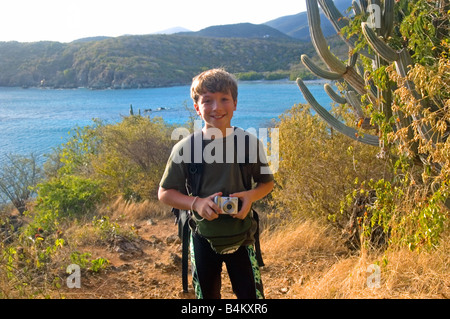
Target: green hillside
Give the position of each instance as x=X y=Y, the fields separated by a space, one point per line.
x=140 y=61
x=266 y=51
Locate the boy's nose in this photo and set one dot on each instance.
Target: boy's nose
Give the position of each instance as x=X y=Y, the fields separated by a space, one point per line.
x=214 y=104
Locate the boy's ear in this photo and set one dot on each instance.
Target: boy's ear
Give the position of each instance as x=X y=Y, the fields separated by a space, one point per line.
x=197 y=109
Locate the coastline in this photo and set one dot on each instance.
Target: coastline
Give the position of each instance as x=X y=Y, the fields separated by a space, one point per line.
x=261 y=81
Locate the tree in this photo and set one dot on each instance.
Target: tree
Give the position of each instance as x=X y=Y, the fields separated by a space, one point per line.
x=18 y=176
x=390 y=43
x=132 y=156
x=396 y=82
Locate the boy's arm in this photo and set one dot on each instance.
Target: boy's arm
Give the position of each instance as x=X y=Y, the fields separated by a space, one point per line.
x=250 y=196
x=205 y=207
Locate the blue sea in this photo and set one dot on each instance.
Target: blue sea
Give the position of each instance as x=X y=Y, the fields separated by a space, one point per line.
x=37 y=120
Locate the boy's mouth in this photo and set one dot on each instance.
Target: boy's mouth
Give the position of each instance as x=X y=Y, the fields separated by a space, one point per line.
x=218 y=117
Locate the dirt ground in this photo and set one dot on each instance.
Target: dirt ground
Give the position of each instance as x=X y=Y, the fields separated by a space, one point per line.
x=146 y=268
x=304 y=261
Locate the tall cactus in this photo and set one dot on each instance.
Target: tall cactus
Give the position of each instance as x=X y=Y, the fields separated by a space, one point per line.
x=379 y=23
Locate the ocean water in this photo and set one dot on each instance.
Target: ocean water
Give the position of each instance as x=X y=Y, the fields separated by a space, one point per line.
x=37 y=120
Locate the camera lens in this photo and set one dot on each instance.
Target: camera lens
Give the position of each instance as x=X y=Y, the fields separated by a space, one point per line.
x=228 y=207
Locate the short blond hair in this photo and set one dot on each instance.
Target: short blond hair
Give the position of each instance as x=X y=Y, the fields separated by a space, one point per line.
x=214 y=80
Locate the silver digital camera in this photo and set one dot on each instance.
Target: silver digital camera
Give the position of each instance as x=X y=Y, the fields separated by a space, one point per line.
x=228 y=205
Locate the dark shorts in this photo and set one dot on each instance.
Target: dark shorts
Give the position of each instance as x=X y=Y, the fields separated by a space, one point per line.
x=242 y=268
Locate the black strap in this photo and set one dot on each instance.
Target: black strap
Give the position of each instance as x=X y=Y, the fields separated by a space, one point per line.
x=185 y=238
x=182 y=219
x=195 y=167
x=195 y=170
x=257 y=243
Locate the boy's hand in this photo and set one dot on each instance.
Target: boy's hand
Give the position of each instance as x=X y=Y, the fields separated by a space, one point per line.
x=206 y=207
x=246 y=201
x=250 y=196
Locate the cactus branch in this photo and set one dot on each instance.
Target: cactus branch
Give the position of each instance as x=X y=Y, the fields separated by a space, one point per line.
x=381 y=48
x=358 y=83
x=318 y=71
x=352 y=60
x=363 y=5
x=388 y=16
x=355 y=102
x=333 y=95
x=333 y=122
x=338 y=21
x=356 y=7
x=334 y=64
x=318 y=39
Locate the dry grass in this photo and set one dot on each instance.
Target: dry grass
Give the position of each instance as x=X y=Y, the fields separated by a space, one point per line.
x=135 y=210
x=418 y=275
x=124 y=214
x=306 y=260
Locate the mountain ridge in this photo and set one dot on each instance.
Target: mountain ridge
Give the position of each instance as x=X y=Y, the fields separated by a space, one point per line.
x=139 y=61
x=297 y=26
x=155 y=60
x=239 y=30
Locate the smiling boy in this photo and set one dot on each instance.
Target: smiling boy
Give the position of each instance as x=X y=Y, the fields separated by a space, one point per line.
x=218 y=237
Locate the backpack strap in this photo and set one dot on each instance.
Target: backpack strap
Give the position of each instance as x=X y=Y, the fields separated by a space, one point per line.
x=195 y=166
x=194 y=175
x=184 y=234
x=245 y=167
x=257 y=243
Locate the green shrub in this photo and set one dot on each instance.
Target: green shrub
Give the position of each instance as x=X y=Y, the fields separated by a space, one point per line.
x=278 y=75
x=317 y=166
x=75 y=156
x=132 y=156
x=70 y=195
x=402 y=212
x=67 y=197
x=250 y=76
x=85 y=262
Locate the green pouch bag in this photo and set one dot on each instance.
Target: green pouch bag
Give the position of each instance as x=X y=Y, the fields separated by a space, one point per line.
x=225 y=234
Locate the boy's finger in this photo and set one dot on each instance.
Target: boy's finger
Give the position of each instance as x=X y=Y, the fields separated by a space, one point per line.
x=213 y=213
x=240 y=194
x=216 y=208
x=214 y=195
x=213 y=205
x=240 y=215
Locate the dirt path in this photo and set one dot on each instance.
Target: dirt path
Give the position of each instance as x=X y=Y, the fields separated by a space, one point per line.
x=149 y=267
x=302 y=261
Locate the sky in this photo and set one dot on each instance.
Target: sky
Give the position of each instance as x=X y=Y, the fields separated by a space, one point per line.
x=68 y=20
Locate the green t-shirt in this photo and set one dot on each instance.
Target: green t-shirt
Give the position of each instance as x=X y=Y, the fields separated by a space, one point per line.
x=218 y=175
x=221 y=173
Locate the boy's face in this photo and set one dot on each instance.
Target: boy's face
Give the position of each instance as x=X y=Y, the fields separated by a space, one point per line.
x=216 y=109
